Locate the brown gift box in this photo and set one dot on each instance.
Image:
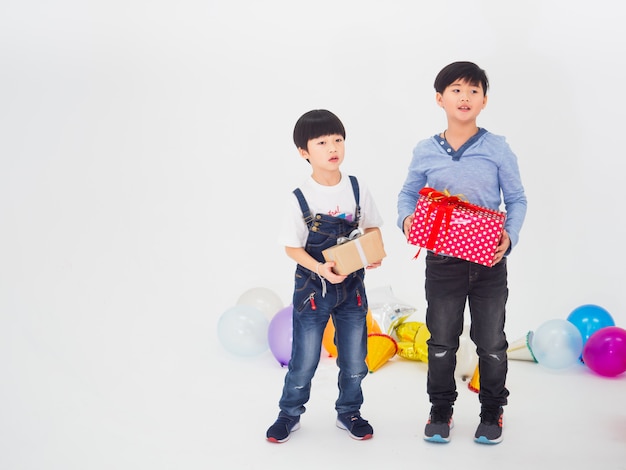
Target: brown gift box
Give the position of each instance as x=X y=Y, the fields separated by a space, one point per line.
x=357 y=253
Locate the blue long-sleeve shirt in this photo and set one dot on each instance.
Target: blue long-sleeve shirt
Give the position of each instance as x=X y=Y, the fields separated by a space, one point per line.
x=484 y=171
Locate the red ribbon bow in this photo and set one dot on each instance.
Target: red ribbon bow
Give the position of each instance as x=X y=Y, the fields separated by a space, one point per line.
x=443 y=205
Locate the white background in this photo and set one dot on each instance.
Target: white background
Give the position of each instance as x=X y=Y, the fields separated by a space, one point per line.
x=145 y=156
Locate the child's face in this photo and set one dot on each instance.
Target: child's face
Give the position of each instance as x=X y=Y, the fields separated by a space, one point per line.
x=325 y=153
x=462 y=101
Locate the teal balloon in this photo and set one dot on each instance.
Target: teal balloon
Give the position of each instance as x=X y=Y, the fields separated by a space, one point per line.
x=242 y=330
x=557 y=344
x=589 y=319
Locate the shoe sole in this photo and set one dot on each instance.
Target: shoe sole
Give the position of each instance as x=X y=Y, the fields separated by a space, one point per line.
x=484 y=440
x=437 y=439
x=280 y=441
x=358 y=438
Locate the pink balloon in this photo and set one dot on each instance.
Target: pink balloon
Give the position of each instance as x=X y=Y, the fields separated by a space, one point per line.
x=605 y=351
x=279 y=335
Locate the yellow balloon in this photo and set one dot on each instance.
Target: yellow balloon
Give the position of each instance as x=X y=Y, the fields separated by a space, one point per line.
x=406 y=331
x=406 y=350
x=419 y=343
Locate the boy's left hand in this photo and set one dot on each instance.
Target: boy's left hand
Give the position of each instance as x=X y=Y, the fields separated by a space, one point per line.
x=374 y=265
x=503 y=246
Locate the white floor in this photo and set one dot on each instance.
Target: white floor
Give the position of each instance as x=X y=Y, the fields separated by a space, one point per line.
x=554 y=418
x=193 y=405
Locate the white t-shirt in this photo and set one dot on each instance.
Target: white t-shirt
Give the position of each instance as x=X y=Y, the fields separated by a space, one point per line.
x=335 y=200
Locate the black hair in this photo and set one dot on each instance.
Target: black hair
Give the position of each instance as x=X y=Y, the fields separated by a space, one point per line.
x=467 y=71
x=314 y=124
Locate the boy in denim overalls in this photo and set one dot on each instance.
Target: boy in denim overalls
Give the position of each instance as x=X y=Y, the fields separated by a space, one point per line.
x=328 y=206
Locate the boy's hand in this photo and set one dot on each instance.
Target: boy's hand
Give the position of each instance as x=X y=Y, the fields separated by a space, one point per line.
x=374 y=265
x=503 y=246
x=406 y=225
x=326 y=271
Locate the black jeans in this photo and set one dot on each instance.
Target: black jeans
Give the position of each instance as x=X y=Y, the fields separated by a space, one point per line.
x=450 y=283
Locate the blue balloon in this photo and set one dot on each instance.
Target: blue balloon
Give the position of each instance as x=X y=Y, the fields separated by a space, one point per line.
x=242 y=330
x=589 y=319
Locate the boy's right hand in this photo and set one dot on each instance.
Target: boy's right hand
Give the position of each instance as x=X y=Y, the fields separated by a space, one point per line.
x=406 y=225
x=326 y=270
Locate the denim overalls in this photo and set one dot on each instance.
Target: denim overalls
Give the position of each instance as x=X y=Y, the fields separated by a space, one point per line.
x=313 y=305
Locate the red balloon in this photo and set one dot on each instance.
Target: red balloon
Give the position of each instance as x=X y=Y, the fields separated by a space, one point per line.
x=605 y=351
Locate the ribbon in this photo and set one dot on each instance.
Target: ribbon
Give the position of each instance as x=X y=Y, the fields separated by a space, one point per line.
x=359 y=249
x=443 y=205
x=354 y=236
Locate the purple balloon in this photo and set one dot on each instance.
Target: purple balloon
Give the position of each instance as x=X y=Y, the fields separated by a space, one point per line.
x=605 y=351
x=280 y=333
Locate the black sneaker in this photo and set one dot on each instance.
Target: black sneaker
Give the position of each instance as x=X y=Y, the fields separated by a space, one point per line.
x=357 y=427
x=489 y=430
x=282 y=428
x=439 y=424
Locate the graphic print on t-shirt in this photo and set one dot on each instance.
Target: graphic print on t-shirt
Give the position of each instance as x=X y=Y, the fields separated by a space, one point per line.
x=342 y=215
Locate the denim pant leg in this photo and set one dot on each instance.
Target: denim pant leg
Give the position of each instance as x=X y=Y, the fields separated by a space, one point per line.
x=308 y=330
x=350 y=320
x=487 y=302
x=446 y=294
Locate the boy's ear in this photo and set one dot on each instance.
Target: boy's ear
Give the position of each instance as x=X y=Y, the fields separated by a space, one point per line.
x=484 y=101
x=439 y=99
x=303 y=153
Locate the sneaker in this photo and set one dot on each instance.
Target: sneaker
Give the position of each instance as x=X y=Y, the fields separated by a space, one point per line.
x=489 y=430
x=439 y=424
x=357 y=427
x=279 y=431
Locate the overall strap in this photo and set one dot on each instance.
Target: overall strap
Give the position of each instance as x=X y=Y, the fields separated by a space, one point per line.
x=304 y=207
x=355 y=189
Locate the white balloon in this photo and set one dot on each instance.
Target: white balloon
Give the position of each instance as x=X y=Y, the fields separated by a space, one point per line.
x=466 y=357
x=242 y=330
x=262 y=298
x=557 y=344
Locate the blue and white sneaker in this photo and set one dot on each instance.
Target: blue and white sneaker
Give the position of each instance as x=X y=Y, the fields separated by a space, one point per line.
x=357 y=427
x=489 y=430
x=282 y=428
x=439 y=424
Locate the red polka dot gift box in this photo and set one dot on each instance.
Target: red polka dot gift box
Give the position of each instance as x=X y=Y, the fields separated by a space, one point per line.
x=448 y=225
